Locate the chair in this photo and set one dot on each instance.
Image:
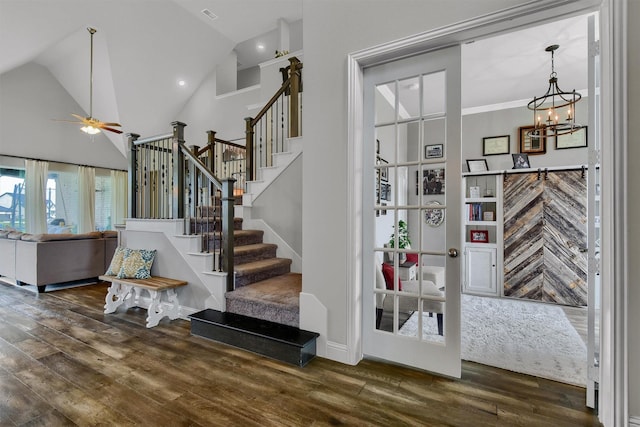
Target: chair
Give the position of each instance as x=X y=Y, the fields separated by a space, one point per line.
x=408 y=304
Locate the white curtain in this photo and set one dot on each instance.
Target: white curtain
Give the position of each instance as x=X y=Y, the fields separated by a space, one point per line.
x=86 y=199
x=36 y=175
x=119 y=197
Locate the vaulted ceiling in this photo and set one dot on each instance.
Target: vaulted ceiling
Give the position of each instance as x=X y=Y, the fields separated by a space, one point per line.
x=141 y=49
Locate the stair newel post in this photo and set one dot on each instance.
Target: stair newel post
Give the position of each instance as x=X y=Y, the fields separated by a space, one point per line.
x=178 y=169
x=228 y=201
x=133 y=174
x=294 y=72
x=250 y=136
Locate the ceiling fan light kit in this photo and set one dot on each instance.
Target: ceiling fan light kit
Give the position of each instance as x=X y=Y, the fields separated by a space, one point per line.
x=548 y=108
x=92 y=125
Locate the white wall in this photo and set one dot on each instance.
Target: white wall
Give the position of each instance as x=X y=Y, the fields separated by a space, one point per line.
x=332 y=30
x=280 y=205
x=633 y=226
x=506 y=122
x=224 y=114
x=30 y=97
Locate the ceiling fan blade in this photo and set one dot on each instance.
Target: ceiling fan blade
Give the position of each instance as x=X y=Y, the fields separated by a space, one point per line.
x=78 y=117
x=67 y=121
x=112 y=124
x=111 y=129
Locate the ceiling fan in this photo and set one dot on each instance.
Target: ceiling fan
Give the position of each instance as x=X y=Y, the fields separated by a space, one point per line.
x=92 y=125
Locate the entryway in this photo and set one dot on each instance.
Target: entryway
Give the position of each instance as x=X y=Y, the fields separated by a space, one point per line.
x=425 y=185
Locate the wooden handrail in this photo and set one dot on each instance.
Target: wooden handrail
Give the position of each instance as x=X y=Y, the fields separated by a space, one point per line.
x=291 y=88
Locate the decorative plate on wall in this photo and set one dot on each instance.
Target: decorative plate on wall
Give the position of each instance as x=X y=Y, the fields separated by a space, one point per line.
x=433 y=216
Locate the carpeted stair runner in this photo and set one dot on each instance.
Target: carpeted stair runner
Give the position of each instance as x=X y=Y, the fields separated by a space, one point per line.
x=263 y=312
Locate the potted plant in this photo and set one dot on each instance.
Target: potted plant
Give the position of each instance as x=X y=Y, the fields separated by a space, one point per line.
x=403 y=239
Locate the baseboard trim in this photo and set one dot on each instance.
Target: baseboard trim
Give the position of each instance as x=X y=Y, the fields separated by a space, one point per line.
x=337 y=352
x=634 y=421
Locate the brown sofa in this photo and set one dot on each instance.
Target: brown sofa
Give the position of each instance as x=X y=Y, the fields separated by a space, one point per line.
x=44 y=259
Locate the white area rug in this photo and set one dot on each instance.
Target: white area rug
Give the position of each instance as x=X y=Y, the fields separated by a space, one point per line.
x=526 y=337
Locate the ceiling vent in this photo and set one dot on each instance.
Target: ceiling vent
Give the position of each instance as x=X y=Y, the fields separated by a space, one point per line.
x=209 y=14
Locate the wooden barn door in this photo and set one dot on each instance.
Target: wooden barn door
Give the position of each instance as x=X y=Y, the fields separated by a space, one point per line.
x=545 y=237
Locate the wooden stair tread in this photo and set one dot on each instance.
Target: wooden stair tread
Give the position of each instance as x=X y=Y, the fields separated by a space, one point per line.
x=282 y=290
x=261 y=265
x=240 y=250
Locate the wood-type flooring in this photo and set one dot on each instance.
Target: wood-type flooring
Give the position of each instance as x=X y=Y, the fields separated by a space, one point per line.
x=63 y=362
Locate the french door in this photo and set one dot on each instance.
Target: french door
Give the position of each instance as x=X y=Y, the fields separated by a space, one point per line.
x=594 y=179
x=411 y=211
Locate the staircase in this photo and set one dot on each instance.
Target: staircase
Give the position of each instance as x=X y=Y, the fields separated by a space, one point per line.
x=263 y=311
x=240 y=273
x=265 y=288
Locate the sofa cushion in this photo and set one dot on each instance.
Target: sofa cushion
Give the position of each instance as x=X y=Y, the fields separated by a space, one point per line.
x=108 y=234
x=116 y=262
x=15 y=235
x=46 y=237
x=136 y=264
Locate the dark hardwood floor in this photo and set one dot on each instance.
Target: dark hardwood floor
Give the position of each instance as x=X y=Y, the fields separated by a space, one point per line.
x=64 y=362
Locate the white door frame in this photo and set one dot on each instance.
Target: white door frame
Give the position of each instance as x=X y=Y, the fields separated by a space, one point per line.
x=614 y=383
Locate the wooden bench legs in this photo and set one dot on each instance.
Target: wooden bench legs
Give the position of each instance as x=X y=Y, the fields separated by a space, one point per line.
x=120 y=293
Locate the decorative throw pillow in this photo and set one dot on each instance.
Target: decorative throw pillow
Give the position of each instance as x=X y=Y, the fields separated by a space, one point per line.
x=136 y=264
x=412 y=258
x=389 y=274
x=116 y=262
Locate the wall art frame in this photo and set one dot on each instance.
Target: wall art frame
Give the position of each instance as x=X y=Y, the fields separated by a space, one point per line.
x=577 y=139
x=496 y=145
x=532 y=144
x=434 y=151
x=477 y=165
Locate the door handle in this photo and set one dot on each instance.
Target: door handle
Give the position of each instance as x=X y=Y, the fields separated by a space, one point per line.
x=453 y=252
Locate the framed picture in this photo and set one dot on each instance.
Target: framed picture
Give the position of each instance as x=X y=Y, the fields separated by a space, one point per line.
x=385 y=192
x=479 y=165
x=576 y=139
x=432 y=181
x=532 y=144
x=520 y=161
x=434 y=151
x=479 y=236
x=383 y=171
x=494 y=145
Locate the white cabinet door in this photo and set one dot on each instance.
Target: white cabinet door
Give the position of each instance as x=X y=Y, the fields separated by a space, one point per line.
x=480 y=271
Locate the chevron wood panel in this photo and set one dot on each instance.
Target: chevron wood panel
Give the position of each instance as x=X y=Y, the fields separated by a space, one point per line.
x=544 y=232
x=565 y=234
x=523 y=242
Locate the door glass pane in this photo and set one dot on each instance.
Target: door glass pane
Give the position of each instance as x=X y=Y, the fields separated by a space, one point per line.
x=385 y=103
x=409 y=98
x=434 y=137
x=433 y=93
x=385 y=144
x=409 y=147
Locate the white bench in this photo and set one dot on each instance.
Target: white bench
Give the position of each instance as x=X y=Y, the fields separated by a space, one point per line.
x=127 y=292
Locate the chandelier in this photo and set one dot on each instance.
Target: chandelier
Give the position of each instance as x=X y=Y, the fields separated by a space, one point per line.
x=554 y=112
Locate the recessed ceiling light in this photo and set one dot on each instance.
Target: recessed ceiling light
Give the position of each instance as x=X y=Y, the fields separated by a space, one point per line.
x=181 y=83
x=260 y=46
x=209 y=14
